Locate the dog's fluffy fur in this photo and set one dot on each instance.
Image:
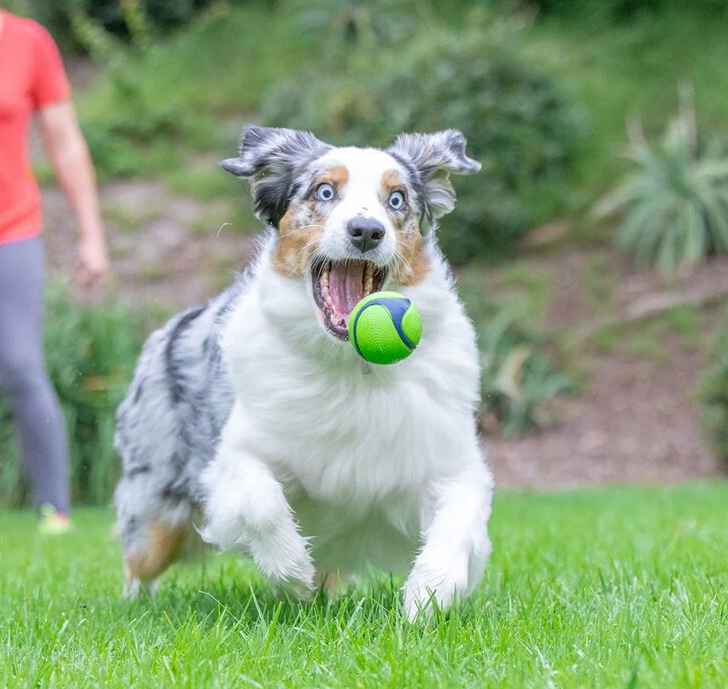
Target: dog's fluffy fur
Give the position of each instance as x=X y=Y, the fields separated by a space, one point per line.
x=254 y=411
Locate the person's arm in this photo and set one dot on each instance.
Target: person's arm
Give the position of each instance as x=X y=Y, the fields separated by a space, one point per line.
x=71 y=161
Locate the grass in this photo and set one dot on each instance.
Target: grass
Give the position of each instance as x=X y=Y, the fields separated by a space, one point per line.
x=650 y=337
x=618 y=587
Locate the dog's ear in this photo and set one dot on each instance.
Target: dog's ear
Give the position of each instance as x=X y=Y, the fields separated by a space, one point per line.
x=272 y=158
x=431 y=158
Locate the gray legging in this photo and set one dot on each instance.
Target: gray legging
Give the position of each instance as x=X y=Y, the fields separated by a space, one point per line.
x=23 y=378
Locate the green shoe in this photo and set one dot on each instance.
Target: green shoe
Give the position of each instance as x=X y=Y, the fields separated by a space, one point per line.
x=52 y=522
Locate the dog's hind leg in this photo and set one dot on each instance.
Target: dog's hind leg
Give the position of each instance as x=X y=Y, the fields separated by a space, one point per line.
x=150 y=555
x=153 y=521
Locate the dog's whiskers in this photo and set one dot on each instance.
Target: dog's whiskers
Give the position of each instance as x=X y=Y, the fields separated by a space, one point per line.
x=305 y=248
x=402 y=263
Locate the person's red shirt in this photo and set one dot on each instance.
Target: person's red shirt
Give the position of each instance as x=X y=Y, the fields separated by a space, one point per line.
x=31 y=76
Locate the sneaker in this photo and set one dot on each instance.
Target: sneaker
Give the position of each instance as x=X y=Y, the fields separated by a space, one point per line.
x=52 y=522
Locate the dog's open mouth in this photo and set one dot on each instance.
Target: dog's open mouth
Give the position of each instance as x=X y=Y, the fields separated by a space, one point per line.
x=338 y=286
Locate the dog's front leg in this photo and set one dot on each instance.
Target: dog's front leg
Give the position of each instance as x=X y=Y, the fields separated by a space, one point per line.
x=456 y=545
x=246 y=511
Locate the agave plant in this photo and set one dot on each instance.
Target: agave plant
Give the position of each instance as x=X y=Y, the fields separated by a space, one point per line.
x=674 y=201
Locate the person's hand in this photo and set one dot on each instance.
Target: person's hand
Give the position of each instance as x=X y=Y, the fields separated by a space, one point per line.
x=93 y=260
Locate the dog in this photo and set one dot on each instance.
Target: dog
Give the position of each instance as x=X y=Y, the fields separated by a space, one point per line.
x=254 y=413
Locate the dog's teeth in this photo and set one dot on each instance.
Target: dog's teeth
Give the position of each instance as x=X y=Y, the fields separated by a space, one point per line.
x=368 y=278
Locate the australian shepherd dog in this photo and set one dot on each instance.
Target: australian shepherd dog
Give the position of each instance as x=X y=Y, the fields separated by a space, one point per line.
x=253 y=420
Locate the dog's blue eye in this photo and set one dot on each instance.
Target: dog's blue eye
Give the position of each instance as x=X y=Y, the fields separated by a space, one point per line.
x=324 y=192
x=396 y=200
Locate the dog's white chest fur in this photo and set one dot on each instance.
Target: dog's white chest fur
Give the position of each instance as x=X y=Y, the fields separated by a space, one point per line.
x=354 y=445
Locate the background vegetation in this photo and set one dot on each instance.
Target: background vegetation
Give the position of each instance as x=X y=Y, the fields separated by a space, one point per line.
x=714 y=394
x=90 y=352
x=542 y=89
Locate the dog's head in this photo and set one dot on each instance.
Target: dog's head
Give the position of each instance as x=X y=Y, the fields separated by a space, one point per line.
x=350 y=220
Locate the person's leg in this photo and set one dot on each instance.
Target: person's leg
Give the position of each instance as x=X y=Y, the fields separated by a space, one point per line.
x=23 y=378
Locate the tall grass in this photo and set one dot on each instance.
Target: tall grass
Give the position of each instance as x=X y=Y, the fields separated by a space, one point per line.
x=90 y=353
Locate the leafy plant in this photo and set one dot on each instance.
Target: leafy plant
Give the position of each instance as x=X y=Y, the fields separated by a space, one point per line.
x=90 y=354
x=366 y=25
x=94 y=24
x=674 y=201
x=714 y=397
x=517 y=378
x=518 y=122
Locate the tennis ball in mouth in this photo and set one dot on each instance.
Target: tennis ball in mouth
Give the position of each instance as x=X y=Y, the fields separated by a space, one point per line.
x=385 y=327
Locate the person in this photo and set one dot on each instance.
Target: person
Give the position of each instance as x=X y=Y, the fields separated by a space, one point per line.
x=33 y=80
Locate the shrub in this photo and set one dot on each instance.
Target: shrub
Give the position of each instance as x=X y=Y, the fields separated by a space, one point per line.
x=674 y=200
x=621 y=10
x=367 y=25
x=518 y=122
x=517 y=377
x=90 y=354
x=714 y=397
x=127 y=19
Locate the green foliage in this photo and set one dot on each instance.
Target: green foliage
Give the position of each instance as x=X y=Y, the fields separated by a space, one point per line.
x=155 y=108
x=214 y=74
x=518 y=121
x=621 y=10
x=83 y=23
x=517 y=377
x=90 y=354
x=364 y=25
x=714 y=397
x=674 y=200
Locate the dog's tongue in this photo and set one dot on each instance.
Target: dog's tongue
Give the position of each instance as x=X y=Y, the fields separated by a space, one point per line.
x=346 y=285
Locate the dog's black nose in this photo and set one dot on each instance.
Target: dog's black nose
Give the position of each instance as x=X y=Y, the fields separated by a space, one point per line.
x=365 y=233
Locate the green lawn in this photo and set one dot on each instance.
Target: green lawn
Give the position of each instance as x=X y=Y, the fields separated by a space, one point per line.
x=621 y=587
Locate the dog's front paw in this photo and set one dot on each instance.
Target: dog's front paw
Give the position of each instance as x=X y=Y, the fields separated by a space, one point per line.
x=299 y=585
x=286 y=564
x=434 y=581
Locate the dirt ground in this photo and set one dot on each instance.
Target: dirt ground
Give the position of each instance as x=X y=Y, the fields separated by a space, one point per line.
x=630 y=425
x=637 y=418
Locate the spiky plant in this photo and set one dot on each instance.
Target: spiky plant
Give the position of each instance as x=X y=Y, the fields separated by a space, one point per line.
x=674 y=200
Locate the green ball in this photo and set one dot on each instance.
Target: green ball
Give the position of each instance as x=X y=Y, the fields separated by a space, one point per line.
x=385 y=327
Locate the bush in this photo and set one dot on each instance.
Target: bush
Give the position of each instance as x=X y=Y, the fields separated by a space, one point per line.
x=90 y=353
x=621 y=10
x=714 y=397
x=122 y=18
x=518 y=122
x=517 y=378
x=675 y=200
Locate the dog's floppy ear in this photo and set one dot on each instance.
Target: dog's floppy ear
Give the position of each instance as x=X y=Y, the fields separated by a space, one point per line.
x=431 y=158
x=272 y=158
